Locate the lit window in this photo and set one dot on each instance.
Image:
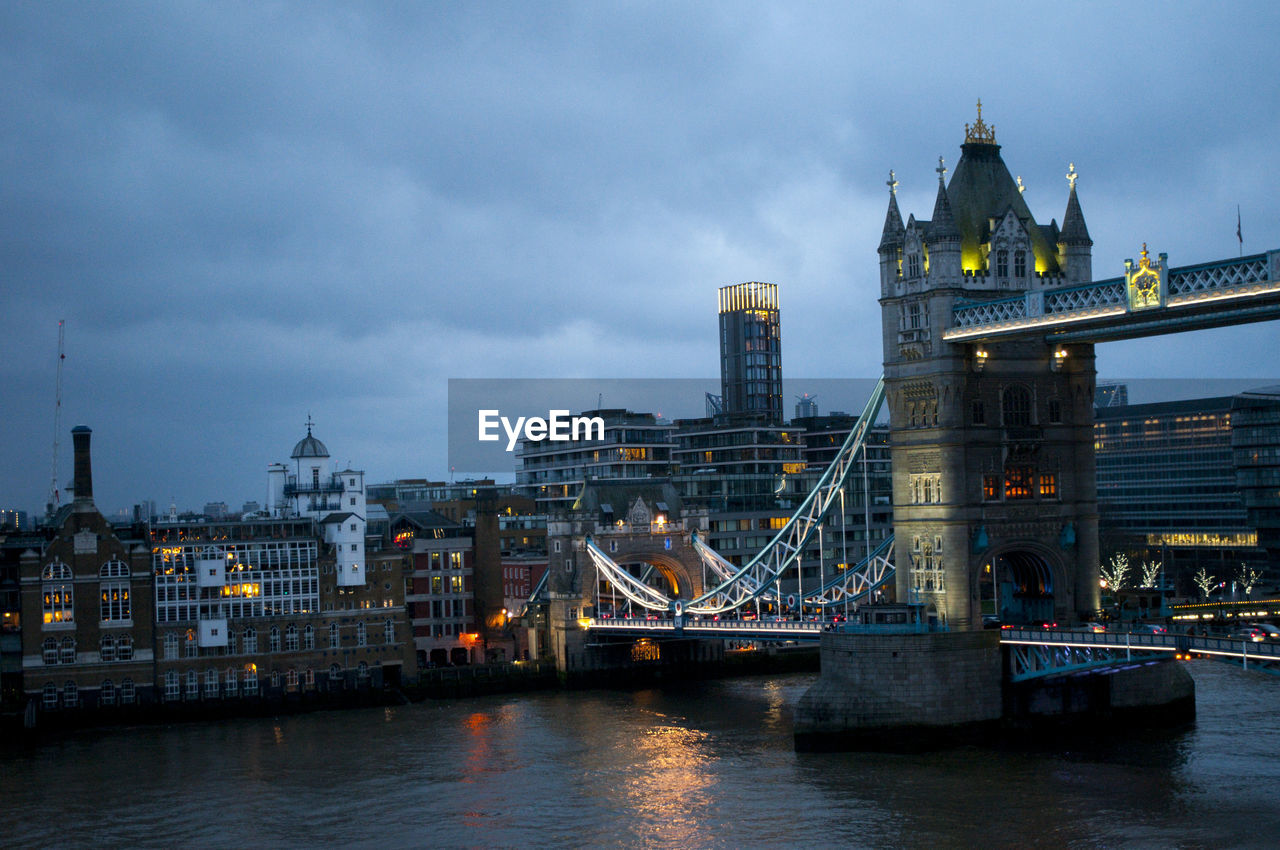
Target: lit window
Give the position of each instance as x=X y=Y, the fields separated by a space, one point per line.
x=58 y=594
x=1018 y=482
x=190 y=649
x=1048 y=485
x=115 y=601
x=455 y=584
x=990 y=488
x=250 y=679
x=455 y=560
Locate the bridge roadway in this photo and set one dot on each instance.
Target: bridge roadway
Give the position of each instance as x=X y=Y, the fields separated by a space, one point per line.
x=1260 y=655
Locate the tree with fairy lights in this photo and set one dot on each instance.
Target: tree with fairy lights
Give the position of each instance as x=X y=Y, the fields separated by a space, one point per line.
x=1247 y=577
x=1204 y=581
x=1151 y=572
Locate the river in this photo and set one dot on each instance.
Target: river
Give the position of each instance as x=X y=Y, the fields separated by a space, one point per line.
x=706 y=764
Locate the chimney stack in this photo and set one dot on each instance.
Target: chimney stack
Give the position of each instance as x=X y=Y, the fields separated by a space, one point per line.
x=83 y=466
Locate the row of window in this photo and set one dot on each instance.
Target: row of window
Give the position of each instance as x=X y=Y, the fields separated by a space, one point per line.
x=69 y=695
x=1019 y=482
x=110 y=648
x=58 y=571
x=293 y=639
x=245 y=682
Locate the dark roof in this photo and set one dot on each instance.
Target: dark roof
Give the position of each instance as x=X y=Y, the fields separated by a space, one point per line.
x=893 y=229
x=942 y=227
x=621 y=494
x=336 y=517
x=424 y=519
x=309 y=446
x=1074 y=230
x=982 y=189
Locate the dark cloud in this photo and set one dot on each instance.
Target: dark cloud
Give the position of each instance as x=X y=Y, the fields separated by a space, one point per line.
x=247 y=212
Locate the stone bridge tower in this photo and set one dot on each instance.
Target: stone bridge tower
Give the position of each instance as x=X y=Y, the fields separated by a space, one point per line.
x=995 y=509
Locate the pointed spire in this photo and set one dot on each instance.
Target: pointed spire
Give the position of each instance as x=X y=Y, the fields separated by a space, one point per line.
x=891 y=238
x=943 y=226
x=1074 y=231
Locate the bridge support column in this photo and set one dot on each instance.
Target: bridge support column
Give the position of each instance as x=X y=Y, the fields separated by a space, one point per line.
x=901 y=692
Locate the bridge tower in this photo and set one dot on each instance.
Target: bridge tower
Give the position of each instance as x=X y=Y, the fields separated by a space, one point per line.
x=995 y=509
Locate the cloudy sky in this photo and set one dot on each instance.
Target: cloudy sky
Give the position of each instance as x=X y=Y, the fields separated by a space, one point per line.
x=251 y=212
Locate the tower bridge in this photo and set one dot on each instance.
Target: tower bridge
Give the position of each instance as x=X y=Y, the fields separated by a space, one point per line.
x=989 y=321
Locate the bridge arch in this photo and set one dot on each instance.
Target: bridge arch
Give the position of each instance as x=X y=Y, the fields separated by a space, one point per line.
x=684 y=580
x=1023 y=582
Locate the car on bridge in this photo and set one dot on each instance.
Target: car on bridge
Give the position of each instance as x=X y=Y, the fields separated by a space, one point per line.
x=1252 y=633
x=1148 y=629
x=1094 y=626
x=1271 y=631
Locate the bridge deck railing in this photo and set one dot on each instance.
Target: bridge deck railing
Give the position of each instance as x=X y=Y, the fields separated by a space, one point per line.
x=1221 y=646
x=1234 y=277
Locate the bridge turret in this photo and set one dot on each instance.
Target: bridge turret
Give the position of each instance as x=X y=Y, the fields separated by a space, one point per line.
x=1075 y=248
x=891 y=241
x=944 y=239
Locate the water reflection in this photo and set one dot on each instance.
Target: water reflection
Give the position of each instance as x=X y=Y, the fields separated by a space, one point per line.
x=701 y=765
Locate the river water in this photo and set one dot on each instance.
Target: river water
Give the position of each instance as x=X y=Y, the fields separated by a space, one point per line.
x=706 y=764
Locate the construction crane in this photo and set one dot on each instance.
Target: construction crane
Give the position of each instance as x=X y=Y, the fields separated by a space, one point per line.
x=57 y=424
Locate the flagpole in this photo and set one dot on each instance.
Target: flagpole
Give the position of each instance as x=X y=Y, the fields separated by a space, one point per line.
x=1239 y=233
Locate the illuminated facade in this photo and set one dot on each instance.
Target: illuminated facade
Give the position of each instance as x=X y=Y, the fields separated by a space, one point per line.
x=440 y=591
x=1174 y=477
x=87 y=634
x=248 y=609
x=751 y=351
x=634 y=445
x=993 y=500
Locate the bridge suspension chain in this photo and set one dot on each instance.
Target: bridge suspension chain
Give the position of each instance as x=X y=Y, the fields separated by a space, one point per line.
x=737 y=586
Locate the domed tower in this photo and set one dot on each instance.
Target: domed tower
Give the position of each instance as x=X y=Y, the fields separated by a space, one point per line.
x=336 y=500
x=995 y=510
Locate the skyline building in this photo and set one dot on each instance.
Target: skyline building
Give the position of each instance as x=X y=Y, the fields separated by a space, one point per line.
x=751 y=351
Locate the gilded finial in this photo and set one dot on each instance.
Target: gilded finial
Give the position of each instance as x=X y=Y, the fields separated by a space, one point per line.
x=1146 y=261
x=1072 y=176
x=980 y=133
x=1021 y=188
x=892 y=183
x=941 y=169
